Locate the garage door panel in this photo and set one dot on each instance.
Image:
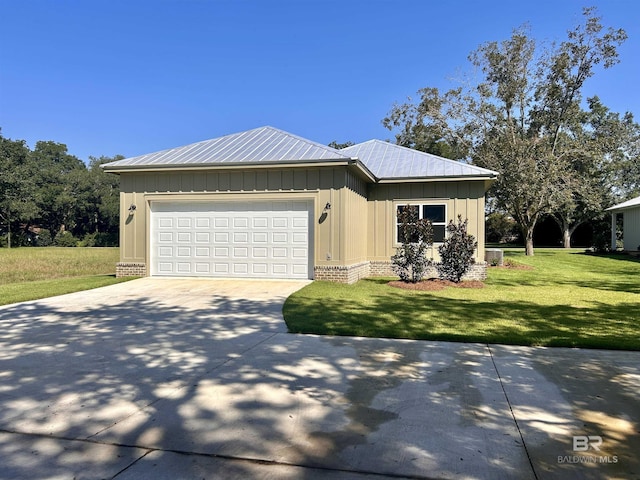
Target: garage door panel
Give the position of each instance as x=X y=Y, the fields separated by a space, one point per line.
x=299 y=238
x=259 y=252
x=203 y=268
x=240 y=268
x=165 y=237
x=299 y=270
x=164 y=222
x=240 y=252
x=241 y=237
x=203 y=237
x=260 y=269
x=222 y=268
x=165 y=267
x=221 y=237
x=260 y=222
x=183 y=237
x=279 y=269
x=280 y=237
x=280 y=222
x=183 y=267
x=299 y=223
x=259 y=239
x=241 y=222
x=299 y=252
x=279 y=252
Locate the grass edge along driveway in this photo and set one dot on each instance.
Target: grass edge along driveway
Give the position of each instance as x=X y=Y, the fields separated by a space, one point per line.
x=32 y=273
x=568 y=299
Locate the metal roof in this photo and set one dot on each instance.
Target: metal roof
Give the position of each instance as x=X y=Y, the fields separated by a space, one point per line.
x=389 y=161
x=265 y=144
x=634 y=202
x=268 y=145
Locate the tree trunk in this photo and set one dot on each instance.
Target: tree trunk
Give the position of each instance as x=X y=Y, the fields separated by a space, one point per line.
x=9 y=229
x=528 y=245
x=566 y=237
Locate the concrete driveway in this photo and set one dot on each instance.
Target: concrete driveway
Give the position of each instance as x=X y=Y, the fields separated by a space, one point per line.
x=159 y=378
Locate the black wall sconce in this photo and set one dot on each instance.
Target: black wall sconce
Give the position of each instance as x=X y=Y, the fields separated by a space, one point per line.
x=325 y=213
x=132 y=209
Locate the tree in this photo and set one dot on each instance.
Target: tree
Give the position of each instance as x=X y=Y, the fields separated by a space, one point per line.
x=598 y=146
x=521 y=118
x=423 y=128
x=16 y=186
x=106 y=190
x=410 y=261
x=59 y=184
x=340 y=146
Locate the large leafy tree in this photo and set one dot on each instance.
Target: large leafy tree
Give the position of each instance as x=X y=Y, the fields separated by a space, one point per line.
x=106 y=195
x=60 y=186
x=523 y=118
x=600 y=146
x=16 y=186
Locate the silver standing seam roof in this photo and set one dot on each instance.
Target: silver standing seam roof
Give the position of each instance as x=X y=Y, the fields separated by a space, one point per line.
x=389 y=161
x=634 y=202
x=260 y=145
x=267 y=145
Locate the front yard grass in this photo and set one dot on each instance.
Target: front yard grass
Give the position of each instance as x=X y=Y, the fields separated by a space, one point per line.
x=31 y=273
x=568 y=299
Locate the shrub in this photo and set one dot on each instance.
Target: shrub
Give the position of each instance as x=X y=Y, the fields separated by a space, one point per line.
x=410 y=261
x=65 y=239
x=43 y=238
x=501 y=228
x=99 y=239
x=456 y=252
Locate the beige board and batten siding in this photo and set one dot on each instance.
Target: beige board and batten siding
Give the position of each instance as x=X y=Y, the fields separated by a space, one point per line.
x=335 y=185
x=465 y=198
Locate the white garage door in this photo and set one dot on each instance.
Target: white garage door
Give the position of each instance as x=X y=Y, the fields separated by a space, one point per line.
x=230 y=239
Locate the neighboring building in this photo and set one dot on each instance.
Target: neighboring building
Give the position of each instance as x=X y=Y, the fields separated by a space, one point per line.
x=268 y=204
x=630 y=211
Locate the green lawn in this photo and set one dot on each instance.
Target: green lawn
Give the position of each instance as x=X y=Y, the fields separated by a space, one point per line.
x=568 y=299
x=31 y=273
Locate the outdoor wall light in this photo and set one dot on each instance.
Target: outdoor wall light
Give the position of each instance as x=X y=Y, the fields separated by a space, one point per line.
x=132 y=209
x=327 y=207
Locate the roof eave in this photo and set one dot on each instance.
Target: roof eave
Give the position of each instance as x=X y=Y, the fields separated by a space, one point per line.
x=621 y=209
x=226 y=165
x=453 y=178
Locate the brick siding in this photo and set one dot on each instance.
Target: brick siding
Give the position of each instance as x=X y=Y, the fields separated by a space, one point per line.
x=131 y=269
x=353 y=273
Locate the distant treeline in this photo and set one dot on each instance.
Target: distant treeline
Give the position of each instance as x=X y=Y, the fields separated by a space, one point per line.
x=49 y=197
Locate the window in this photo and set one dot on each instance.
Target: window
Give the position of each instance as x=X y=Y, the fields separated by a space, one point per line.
x=434 y=212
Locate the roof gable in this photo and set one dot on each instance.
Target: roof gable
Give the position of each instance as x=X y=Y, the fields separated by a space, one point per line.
x=390 y=161
x=260 y=145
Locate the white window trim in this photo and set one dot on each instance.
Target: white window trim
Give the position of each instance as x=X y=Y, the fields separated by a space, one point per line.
x=420 y=216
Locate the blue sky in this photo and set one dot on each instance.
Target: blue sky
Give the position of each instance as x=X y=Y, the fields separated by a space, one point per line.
x=132 y=77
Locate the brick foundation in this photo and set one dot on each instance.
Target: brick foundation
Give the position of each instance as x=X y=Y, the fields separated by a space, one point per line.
x=124 y=269
x=341 y=273
x=353 y=273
